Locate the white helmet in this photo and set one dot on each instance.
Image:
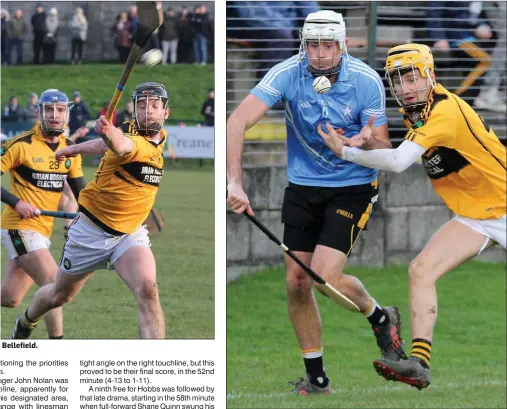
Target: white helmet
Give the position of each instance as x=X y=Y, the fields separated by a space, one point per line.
x=324 y=25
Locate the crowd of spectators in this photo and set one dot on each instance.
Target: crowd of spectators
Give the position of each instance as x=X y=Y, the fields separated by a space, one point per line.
x=80 y=114
x=184 y=37
x=467 y=37
x=14 y=112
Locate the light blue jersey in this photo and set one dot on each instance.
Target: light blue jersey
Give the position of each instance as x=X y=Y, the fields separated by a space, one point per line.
x=357 y=94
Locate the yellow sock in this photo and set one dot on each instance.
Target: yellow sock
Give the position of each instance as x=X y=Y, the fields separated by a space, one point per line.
x=421 y=348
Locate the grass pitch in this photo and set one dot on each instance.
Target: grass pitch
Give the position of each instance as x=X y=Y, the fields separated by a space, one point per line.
x=468 y=357
x=184 y=251
x=187 y=84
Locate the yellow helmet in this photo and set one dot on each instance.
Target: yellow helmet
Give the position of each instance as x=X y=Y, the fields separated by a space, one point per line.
x=405 y=58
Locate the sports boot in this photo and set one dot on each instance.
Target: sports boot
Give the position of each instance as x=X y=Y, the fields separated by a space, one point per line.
x=389 y=336
x=20 y=331
x=303 y=386
x=409 y=371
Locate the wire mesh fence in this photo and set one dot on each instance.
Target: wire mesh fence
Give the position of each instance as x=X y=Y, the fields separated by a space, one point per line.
x=468 y=40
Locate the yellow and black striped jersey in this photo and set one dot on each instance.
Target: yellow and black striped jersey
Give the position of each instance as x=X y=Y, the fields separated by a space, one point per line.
x=124 y=187
x=464 y=159
x=36 y=177
x=130 y=128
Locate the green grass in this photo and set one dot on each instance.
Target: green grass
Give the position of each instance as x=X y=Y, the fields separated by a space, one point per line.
x=184 y=252
x=187 y=85
x=468 y=360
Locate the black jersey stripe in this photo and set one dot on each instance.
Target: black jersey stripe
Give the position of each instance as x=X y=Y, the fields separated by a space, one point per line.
x=477 y=137
x=144 y=172
x=49 y=181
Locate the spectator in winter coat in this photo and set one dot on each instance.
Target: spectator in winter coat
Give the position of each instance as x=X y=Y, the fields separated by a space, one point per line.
x=79 y=113
x=208 y=109
x=38 y=29
x=79 y=26
x=186 y=37
x=51 y=36
x=169 y=35
x=12 y=111
x=123 y=36
x=5 y=36
x=17 y=30
x=30 y=111
x=454 y=26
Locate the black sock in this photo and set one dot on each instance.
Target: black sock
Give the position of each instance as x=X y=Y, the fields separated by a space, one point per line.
x=59 y=337
x=315 y=371
x=27 y=322
x=28 y=319
x=378 y=317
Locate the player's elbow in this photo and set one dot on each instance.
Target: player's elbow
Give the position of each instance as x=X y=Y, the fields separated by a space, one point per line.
x=236 y=123
x=120 y=151
x=122 y=146
x=102 y=149
x=398 y=167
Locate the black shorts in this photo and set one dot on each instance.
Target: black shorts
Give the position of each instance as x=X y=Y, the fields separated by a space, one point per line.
x=330 y=216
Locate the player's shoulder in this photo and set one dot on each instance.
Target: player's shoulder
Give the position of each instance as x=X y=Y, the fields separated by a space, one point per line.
x=283 y=69
x=361 y=72
x=25 y=137
x=441 y=105
x=128 y=127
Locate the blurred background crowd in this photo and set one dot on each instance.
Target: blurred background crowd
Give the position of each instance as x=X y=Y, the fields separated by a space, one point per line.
x=62 y=32
x=55 y=36
x=468 y=39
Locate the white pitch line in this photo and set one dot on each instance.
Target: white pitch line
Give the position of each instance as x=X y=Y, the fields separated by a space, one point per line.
x=386 y=388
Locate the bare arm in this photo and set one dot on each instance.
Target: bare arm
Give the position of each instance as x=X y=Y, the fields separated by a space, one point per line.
x=92 y=147
x=244 y=117
x=113 y=137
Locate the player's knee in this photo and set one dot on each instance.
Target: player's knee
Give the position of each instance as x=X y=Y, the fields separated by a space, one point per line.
x=147 y=292
x=417 y=270
x=60 y=298
x=10 y=300
x=298 y=282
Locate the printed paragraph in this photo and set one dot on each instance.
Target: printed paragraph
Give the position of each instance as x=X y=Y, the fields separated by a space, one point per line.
x=146 y=384
x=41 y=385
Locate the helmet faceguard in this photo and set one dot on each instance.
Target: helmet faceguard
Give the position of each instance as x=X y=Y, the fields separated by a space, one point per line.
x=323 y=26
x=149 y=91
x=410 y=58
x=54 y=98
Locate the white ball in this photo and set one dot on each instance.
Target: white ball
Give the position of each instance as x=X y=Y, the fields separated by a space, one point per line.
x=321 y=84
x=152 y=57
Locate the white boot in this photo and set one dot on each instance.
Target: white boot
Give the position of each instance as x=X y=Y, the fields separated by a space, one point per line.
x=491 y=100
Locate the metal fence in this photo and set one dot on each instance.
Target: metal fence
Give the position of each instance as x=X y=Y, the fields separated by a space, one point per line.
x=258 y=39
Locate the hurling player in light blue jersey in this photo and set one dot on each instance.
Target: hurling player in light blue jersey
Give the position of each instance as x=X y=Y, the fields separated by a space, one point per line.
x=328 y=200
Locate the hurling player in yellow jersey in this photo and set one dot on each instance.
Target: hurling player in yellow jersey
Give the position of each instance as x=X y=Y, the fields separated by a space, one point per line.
x=466 y=164
x=37 y=182
x=109 y=230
